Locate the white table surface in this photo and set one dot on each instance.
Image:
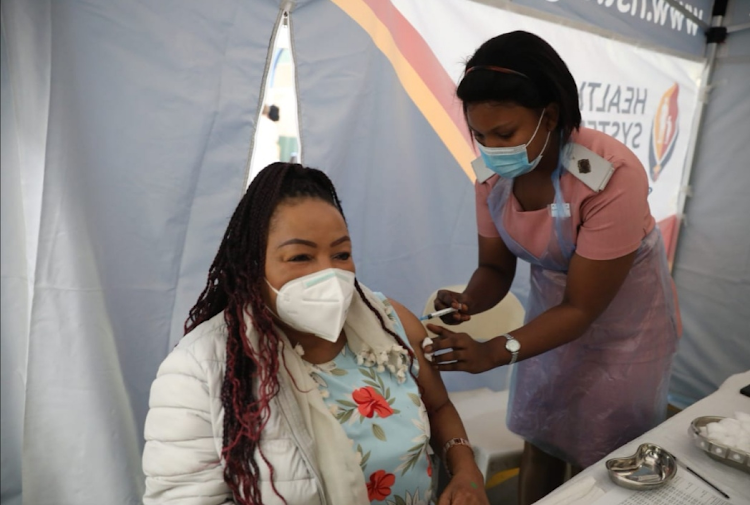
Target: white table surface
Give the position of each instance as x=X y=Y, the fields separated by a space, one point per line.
x=672 y=435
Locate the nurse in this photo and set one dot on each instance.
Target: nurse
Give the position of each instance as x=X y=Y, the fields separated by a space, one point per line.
x=602 y=325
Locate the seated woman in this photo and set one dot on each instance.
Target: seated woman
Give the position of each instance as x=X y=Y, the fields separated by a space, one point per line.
x=294 y=383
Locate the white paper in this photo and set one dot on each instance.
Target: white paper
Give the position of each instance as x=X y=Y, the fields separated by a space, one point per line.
x=682 y=490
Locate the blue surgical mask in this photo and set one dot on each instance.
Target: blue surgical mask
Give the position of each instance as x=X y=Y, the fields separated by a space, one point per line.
x=510 y=162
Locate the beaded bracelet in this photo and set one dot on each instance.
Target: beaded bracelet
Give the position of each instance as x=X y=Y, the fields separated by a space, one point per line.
x=453 y=442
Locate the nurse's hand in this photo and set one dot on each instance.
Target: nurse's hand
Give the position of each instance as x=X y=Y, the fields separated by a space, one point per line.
x=464 y=353
x=450 y=299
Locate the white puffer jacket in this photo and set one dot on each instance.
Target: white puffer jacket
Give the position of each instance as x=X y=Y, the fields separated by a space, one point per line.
x=184 y=429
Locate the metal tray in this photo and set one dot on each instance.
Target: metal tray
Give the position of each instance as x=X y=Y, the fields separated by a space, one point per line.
x=650 y=467
x=728 y=455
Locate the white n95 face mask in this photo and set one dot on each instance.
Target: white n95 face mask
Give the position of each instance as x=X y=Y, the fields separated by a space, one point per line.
x=317 y=303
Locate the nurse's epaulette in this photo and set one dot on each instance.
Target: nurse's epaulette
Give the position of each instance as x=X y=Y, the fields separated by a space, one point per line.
x=588 y=167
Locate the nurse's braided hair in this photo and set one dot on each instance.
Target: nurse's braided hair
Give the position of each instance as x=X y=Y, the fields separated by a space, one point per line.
x=233 y=287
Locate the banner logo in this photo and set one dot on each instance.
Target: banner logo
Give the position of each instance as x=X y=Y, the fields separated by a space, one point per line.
x=664 y=130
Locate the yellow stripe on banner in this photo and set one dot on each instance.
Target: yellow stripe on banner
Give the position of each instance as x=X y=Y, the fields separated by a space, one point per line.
x=414 y=85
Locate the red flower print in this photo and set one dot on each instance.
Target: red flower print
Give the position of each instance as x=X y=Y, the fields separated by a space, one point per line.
x=380 y=485
x=370 y=401
x=429 y=465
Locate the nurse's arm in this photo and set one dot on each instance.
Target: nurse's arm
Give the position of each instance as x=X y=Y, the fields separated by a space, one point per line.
x=591 y=286
x=492 y=279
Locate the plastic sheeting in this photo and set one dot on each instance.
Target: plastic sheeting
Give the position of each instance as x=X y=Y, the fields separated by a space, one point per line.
x=712 y=266
x=126 y=128
x=14 y=291
x=128 y=136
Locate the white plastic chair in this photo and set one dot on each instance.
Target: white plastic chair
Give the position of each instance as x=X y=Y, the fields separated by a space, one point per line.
x=497 y=450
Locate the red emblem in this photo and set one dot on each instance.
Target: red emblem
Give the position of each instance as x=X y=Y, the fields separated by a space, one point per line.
x=664 y=131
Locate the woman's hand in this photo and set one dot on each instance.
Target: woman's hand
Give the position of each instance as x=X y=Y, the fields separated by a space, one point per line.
x=464 y=489
x=449 y=299
x=465 y=355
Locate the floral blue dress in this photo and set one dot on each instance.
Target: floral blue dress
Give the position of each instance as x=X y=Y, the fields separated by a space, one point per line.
x=386 y=422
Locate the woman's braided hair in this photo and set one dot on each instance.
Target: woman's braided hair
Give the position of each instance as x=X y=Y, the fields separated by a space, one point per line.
x=234 y=287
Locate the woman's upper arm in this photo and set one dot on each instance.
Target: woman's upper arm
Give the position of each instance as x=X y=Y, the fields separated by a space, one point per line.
x=615 y=220
x=493 y=253
x=593 y=284
x=434 y=394
x=180 y=459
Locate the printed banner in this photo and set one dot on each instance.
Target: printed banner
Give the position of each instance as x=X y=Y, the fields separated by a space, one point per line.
x=645 y=99
x=653 y=21
x=652 y=119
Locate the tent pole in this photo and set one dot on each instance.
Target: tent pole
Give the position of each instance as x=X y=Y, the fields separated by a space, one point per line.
x=717 y=21
x=737 y=28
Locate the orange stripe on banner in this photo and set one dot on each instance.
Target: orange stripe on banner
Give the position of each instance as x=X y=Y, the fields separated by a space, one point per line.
x=423 y=78
x=420 y=56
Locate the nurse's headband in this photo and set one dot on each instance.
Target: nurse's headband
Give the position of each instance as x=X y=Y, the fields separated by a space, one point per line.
x=494 y=69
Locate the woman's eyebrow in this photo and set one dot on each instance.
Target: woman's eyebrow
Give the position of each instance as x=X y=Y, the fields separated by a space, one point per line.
x=298 y=241
x=341 y=240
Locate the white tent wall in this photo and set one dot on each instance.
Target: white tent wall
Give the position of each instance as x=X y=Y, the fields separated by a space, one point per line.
x=712 y=265
x=24 y=136
x=393 y=182
x=128 y=126
x=125 y=135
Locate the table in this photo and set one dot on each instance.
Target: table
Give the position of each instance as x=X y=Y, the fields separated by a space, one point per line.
x=673 y=436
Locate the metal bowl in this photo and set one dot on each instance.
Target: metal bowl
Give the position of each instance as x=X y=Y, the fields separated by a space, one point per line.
x=728 y=455
x=650 y=467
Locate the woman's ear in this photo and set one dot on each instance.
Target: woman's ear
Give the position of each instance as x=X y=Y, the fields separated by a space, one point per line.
x=552 y=116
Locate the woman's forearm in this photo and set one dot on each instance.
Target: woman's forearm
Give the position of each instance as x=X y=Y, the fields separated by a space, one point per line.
x=590 y=288
x=446 y=425
x=557 y=326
